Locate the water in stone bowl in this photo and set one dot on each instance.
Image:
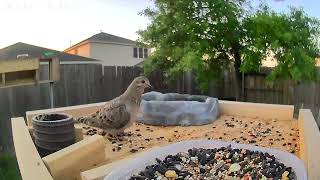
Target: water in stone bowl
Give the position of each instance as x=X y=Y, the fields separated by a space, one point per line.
x=175 y=109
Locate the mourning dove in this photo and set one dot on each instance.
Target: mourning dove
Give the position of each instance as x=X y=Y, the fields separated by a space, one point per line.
x=120 y=113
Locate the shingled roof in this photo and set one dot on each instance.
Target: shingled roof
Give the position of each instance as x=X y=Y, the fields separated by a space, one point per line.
x=110 y=38
x=11 y=52
x=106 y=38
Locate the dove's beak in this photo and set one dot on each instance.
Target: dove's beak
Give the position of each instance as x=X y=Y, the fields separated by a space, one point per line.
x=149 y=85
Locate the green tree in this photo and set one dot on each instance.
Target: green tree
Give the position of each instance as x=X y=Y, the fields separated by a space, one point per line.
x=209 y=36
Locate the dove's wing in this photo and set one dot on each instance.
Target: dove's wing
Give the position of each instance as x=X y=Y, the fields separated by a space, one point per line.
x=114 y=115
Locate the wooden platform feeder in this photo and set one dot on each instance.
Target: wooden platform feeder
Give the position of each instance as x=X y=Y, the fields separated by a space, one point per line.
x=88 y=160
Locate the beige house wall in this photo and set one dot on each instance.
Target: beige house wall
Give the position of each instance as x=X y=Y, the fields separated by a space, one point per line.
x=82 y=50
x=114 y=54
x=111 y=54
x=269 y=62
x=272 y=62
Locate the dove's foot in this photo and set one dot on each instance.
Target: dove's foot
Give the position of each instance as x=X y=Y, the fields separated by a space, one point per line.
x=117 y=137
x=125 y=134
x=122 y=136
x=102 y=132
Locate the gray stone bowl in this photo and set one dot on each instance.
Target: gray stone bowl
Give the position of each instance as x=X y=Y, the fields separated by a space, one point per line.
x=175 y=109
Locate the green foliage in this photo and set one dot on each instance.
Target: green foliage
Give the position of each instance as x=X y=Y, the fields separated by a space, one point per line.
x=208 y=36
x=288 y=37
x=9 y=169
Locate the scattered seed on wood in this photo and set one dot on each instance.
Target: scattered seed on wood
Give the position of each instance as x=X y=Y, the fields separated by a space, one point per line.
x=133 y=150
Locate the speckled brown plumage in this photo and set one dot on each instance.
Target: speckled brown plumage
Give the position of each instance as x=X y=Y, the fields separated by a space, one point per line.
x=119 y=113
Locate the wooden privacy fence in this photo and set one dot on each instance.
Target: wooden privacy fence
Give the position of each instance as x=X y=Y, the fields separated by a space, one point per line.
x=91 y=83
x=301 y=95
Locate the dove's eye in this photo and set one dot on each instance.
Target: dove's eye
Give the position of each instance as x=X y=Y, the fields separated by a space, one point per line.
x=143 y=81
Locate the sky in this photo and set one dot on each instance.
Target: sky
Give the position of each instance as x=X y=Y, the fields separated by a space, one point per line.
x=56 y=24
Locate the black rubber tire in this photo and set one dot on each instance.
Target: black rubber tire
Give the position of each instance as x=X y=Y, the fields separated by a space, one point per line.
x=53 y=131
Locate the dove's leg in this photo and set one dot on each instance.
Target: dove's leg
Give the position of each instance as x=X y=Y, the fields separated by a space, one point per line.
x=121 y=135
x=117 y=135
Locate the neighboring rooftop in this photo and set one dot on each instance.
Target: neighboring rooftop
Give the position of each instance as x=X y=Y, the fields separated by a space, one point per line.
x=110 y=38
x=12 y=51
x=106 y=38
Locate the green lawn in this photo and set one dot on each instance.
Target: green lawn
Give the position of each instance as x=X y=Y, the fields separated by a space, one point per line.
x=9 y=169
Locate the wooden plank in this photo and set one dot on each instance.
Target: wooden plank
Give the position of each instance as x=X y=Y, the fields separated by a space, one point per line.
x=109 y=82
x=18 y=65
x=70 y=161
x=260 y=110
x=309 y=143
x=54 y=69
x=3 y=75
x=100 y=172
x=30 y=163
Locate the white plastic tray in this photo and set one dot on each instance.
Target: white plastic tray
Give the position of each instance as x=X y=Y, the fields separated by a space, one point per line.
x=135 y=165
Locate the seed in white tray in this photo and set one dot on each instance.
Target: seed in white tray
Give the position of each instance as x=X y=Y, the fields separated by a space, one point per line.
x=209 y=164
x=194 y=159
x=234 y=167
x=171 y=174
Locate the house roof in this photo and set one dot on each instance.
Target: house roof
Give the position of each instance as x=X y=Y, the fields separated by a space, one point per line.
x=105 y=37
x=110 y=38
x=11 y=52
